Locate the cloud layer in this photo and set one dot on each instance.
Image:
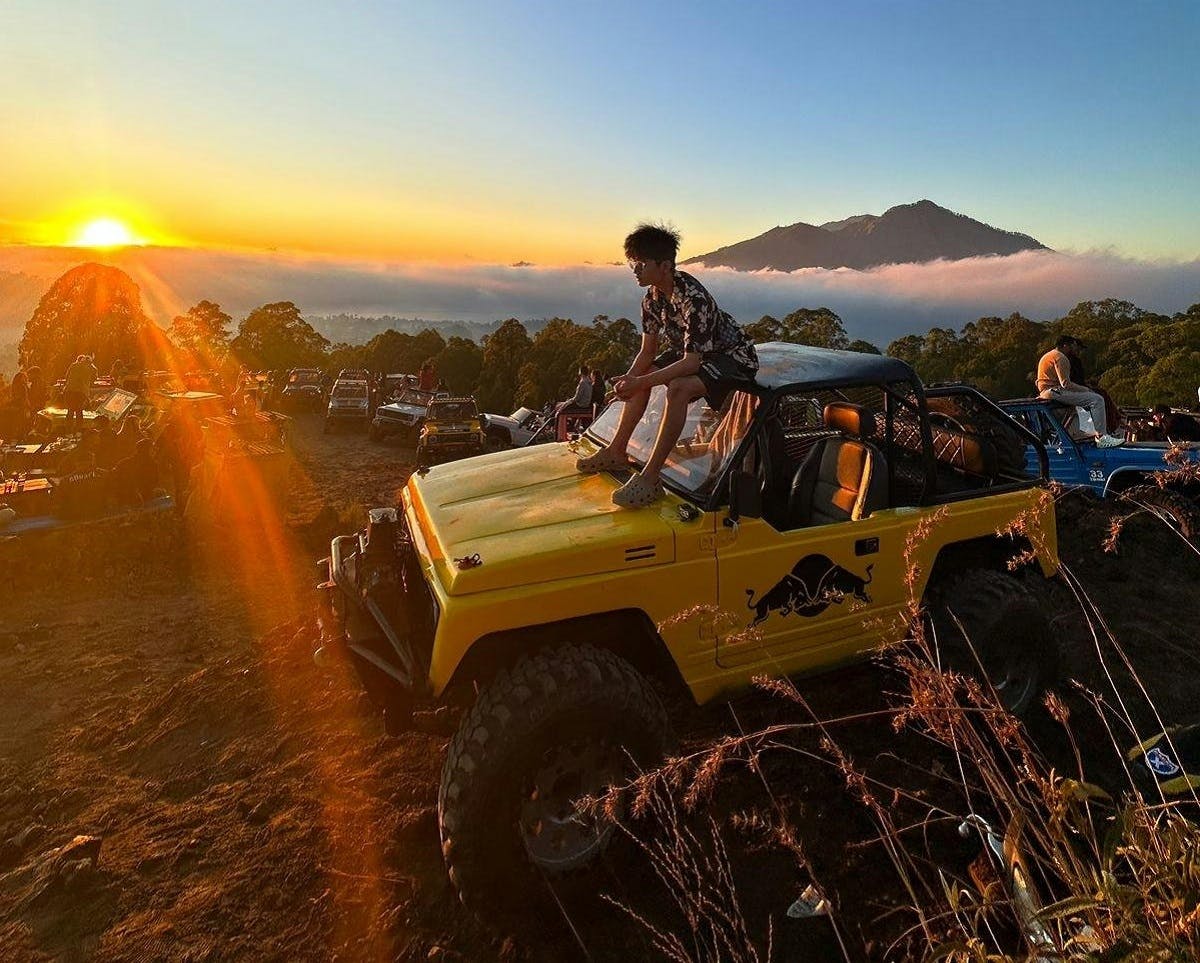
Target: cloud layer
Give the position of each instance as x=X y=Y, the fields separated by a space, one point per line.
x=879 y=304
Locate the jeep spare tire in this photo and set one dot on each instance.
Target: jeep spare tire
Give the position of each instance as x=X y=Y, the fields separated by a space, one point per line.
x=558 y=726
x=987 y=620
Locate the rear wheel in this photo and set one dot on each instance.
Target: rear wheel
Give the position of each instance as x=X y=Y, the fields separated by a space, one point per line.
x=988 y=624
x=560 y=725
x=1178 y=511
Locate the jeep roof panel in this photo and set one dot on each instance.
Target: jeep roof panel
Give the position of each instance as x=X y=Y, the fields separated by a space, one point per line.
x=782 y=365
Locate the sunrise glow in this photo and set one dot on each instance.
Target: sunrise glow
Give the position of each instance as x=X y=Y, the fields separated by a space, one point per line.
x=105 y=232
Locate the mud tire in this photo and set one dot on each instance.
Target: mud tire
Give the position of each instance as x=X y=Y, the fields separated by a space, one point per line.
x=1175 y=509
x=526 y=714
x=990 y=618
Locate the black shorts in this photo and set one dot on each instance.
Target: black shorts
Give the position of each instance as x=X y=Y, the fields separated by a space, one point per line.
x=719 y=372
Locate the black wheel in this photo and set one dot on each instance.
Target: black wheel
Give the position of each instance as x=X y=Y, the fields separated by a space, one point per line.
x=496 y=441
x=987 y=619
x=1178 y=511
x=561 y=724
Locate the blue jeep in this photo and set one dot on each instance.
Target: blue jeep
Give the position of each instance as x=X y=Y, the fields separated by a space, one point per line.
x=1127 y=470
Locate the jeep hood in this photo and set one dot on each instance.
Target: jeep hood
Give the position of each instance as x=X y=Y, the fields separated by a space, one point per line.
x=531 y=517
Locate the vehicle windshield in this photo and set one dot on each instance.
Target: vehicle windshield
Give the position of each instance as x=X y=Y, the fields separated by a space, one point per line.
x=305 y=378
x=705 y=445
x=463 y=411
x=350 y=391
x=410 y=396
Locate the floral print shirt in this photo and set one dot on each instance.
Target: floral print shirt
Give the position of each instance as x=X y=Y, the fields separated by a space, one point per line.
x=690 y=321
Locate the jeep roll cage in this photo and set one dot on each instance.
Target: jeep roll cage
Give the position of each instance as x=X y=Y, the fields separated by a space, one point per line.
x=788 y=371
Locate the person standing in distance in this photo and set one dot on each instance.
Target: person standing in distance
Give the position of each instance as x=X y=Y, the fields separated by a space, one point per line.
x=688 y=344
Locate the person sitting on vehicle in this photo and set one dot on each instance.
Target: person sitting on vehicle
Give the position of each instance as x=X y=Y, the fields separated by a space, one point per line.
x=582 y=399
x=598 y=390
x=1054 y=384
x=688 y=344
x=1112 y=414
x=1176 y=427
x=427 y=376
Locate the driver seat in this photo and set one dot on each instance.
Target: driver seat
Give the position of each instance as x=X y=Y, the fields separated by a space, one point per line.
x=843 y=478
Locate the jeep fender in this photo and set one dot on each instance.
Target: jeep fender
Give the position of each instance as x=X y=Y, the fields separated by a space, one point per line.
x=629 y=633
x=1124 y=478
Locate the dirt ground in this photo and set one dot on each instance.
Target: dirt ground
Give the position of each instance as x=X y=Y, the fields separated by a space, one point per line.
x=158 y=692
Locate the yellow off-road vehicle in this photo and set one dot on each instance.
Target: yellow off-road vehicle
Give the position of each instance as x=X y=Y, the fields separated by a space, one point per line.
x=452 y=429
x=797 y=522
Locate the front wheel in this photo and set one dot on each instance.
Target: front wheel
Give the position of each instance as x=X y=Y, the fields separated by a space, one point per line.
x=987 y=623
x=560 y=725
x=1178 y=511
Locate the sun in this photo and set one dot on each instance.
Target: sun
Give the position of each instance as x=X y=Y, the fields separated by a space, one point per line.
x=105 y=232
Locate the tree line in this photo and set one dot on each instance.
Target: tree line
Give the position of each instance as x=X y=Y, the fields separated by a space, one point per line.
x=1139 y=356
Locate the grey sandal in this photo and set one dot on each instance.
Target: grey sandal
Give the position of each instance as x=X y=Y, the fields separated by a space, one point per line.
x=603 y=460
x=637 y=493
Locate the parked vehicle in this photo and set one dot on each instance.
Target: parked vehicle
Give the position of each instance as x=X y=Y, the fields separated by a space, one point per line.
x=403 y=417
x=303 y=390
x=1129 y=470
x=452 y=429
x=515 y=430
x=348 y=404
x=511 y=586
x=526 y=426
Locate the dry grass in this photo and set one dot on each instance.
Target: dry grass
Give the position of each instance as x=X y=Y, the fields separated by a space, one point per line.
x=1110 y=876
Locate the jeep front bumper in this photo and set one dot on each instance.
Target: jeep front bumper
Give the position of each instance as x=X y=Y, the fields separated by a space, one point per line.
x=375 y=610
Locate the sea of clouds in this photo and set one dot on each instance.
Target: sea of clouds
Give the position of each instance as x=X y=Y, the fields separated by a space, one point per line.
x=880 y=304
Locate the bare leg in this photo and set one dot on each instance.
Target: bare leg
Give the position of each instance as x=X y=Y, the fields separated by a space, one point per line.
x=680 y=393
x=631 y=414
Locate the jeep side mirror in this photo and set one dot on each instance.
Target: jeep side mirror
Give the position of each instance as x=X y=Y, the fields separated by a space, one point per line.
x=745 y=495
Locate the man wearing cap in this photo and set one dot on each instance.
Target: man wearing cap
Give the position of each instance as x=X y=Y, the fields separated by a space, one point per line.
x=1054 y=384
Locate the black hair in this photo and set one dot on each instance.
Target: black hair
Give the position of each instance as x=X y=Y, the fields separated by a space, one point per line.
x=1066 y=340
x=1162 y=409
x=652 y=242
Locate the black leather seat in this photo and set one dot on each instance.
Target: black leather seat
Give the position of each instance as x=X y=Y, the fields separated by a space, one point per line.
x=843 y=478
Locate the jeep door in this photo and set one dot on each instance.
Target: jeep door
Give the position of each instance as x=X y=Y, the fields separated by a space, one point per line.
x=801 y=596
x=802 y=600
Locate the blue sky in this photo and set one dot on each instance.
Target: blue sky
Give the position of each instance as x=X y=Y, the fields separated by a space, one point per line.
x=541 y=131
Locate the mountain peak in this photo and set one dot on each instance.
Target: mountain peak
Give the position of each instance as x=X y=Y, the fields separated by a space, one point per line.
x=903 y=234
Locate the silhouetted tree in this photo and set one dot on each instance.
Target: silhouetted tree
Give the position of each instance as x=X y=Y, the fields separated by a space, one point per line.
x=459 y=364
x=504 y=351
x=203 y=330
x=92 y=309
x=277 y=336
